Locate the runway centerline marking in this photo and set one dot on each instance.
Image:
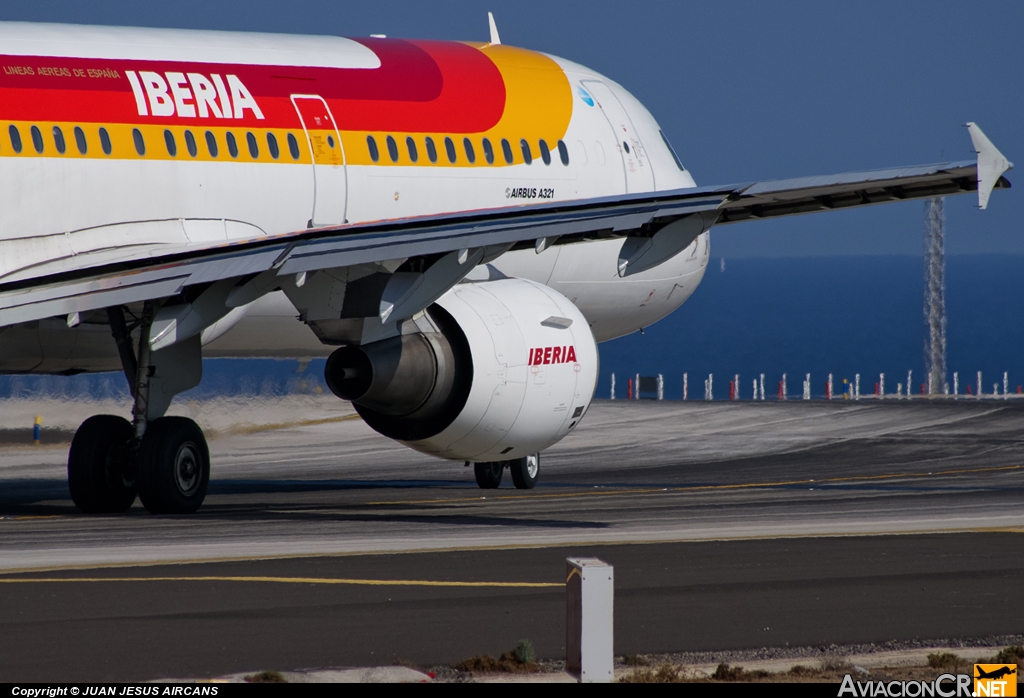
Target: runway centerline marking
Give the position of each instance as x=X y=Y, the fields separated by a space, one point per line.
x=286 y=580
x=700 y=488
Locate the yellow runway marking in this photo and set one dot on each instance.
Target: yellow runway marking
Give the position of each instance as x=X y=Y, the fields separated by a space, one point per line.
x=256 y=428
x=540 y=545
x=287 y=580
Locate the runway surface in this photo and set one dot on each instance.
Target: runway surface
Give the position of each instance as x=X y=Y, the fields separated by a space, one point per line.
x=730 y=525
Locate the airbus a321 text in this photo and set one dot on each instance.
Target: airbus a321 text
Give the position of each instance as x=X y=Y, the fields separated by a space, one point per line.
x=456 y=225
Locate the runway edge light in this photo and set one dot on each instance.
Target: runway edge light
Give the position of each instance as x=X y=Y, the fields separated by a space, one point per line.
x=589 y=629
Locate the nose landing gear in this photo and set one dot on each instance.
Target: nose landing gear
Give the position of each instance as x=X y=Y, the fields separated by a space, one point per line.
x=525 y=472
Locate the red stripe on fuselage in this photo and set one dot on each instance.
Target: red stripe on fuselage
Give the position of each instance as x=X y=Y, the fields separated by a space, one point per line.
x=421 y=86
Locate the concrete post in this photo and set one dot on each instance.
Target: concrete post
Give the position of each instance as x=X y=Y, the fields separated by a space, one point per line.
x=856 y=387
x=956 y=383
x=979 y=383
x=685 y=386
x=909 y=381
x=636 y=385
x=613 y=387
x=661 y=387
x=881 y=385
x=589 y=619
x=1006 y=383
x=762 y=386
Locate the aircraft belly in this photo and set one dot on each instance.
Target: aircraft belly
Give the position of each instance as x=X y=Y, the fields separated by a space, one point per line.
x=270 y=329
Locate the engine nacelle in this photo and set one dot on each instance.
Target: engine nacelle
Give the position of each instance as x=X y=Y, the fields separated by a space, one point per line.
x=510 y=372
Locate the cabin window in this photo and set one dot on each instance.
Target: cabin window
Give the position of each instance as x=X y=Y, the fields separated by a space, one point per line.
x=625 y=145
x=190 y=144
x=672 y=150
x=58 y=140
x=172 y=147
x=506 y=150
x=15 y=135
x=392 y=149
x=275 y=152
x=140 y=142
x=449 y=148
x=232 y=144
x=470 y=153
x=293 y=146
x=83 y=147
x=330 y=142
x=211 y=144
x=410 y=145
x=105 y=141
x=563 y=153
x=525 y=147
x=488 y=152
x=545 y=153
x=371 y=144
x=254 y=147
x=37 y=139
x=431 y=150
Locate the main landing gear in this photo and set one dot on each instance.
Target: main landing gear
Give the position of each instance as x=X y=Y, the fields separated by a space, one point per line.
x=525 y=472
x=169 y=468
x=163 y=460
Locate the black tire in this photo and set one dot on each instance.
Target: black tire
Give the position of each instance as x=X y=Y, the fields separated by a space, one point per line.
x=100 y=473
x=525 y=471
x=174 y=466
x=488 y=475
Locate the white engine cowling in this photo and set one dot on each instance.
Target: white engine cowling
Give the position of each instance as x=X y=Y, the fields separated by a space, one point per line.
x=511 y=372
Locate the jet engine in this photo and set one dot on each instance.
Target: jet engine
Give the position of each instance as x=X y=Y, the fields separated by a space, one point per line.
x=509 y=371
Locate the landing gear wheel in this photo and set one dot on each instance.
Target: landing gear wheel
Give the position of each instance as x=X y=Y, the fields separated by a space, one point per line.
x=525 y=471
x=101 y=475
x=488 y=475
x=174 y=466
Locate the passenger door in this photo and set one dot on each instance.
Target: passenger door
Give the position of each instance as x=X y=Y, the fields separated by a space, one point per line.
x=330 y=186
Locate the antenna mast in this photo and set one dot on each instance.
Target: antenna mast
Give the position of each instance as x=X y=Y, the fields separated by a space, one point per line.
x=935 y=295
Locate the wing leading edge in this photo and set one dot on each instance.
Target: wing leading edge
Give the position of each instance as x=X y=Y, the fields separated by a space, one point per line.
x=678 y=216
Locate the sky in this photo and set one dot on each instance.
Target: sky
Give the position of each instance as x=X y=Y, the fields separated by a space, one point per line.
x=746 y=91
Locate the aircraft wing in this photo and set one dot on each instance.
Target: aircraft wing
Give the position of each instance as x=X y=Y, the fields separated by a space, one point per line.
x=654 y=225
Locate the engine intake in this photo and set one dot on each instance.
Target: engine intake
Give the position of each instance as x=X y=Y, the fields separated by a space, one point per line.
x=511 y=369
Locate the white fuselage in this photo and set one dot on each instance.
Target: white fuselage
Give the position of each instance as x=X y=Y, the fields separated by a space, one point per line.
x=62 y=209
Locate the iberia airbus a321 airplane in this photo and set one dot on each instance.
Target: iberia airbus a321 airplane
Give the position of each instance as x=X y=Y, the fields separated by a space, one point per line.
x=455 y=224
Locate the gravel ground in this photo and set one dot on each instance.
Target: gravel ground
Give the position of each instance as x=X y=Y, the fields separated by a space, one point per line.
x=829 y=651
x=834 y=657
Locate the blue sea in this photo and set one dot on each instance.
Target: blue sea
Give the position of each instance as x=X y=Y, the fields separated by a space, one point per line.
x=817 y=315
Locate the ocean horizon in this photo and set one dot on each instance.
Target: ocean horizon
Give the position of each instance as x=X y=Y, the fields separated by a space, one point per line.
x=797 y=315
